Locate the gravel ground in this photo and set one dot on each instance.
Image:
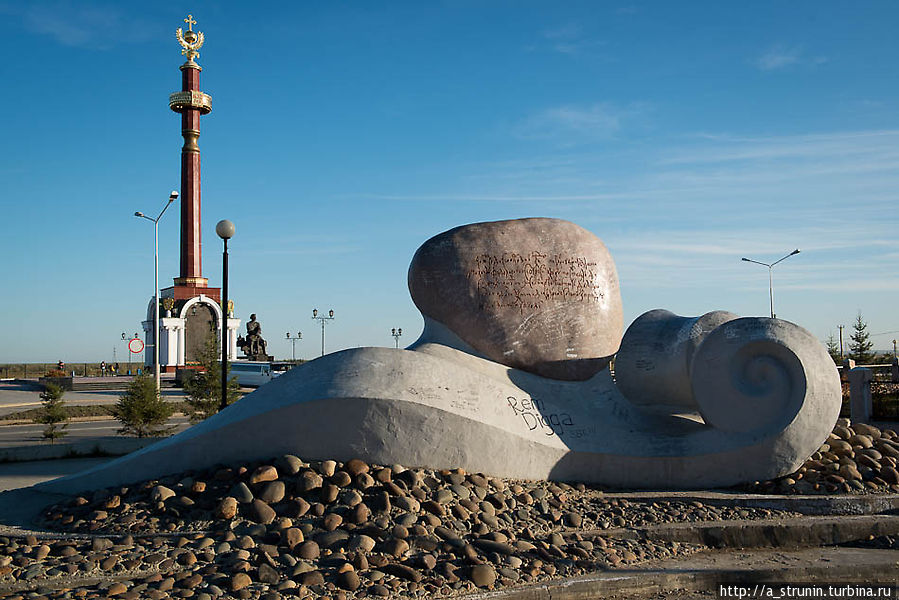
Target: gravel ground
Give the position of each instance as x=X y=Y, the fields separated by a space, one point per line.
x=324 y=529
x=856 y=458
x=327 y=529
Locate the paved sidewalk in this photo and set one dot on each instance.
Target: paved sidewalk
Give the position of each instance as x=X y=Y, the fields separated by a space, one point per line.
x=23 y=474
x=769 y=573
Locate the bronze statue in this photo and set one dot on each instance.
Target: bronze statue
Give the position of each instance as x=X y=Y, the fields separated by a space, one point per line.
x=253 y=346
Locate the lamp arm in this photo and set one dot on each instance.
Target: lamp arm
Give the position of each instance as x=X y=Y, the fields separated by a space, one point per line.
x=758 y=263
x=782 y=259
x=165 y=208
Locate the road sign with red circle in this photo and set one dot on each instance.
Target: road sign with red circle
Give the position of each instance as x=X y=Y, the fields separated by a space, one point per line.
x=136 y=346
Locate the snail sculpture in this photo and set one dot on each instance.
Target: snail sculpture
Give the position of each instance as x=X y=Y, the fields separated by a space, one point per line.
x=511 y=378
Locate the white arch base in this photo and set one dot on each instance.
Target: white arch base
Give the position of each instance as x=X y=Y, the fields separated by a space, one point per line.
x=172 y=334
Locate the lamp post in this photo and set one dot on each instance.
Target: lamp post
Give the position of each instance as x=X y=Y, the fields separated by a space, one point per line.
x=770 y=277
x=323 y=319
x=225 y=230
x=397 y=334
x=293 y=341
x=172 y=197
x=127 y=341
x=841 y=340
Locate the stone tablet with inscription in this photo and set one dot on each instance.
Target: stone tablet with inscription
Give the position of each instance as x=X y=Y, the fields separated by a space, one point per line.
x=540 y=295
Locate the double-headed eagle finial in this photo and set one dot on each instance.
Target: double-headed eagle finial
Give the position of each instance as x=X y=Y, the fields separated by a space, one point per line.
x=191 y=41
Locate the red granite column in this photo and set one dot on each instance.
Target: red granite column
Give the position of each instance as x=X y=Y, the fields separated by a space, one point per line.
x=191 y=103
x=191 y=242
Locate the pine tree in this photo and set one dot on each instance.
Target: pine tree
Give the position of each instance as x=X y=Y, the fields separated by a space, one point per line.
x=53 y=413
x=141 y=410
x=204 y=388
x=861 y=344
x=833 y=349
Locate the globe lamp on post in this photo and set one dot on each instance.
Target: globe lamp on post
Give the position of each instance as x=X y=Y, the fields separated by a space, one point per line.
x=225 y=230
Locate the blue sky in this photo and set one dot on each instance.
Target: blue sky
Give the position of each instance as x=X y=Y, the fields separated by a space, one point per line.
x=344 y=134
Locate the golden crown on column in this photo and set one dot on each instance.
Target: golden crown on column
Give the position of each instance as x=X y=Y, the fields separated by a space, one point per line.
x=191 y=41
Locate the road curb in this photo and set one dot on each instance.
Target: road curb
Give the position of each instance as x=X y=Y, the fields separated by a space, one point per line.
x=792 y=532
x=706 y=571
x=829 y=504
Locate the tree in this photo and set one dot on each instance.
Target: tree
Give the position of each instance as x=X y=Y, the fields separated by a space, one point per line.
x=833 y=348
x=861 y=344
x=141 y=410
x=204 y=389
x=53 y=412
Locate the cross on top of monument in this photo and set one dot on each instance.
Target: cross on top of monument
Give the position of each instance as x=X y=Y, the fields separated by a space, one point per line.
x=191 y=41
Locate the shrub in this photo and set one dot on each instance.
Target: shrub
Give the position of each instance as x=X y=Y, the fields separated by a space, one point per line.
x=141 y=410
x=53 y=413
x=203 y=390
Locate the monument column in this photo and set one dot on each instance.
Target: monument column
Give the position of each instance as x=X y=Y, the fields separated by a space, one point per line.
x=192 y=307
x=191 y=103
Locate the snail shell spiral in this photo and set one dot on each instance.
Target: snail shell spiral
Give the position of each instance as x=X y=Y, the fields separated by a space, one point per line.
x=754 y=375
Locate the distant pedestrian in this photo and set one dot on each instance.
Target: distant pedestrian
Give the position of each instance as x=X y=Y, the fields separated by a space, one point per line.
x=103 y=368
x=115 y=370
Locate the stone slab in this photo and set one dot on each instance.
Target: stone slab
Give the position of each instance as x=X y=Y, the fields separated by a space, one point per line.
x=788 y=532
x=538 y=294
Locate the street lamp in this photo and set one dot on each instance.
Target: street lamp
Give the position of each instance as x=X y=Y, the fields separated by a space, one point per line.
x=293 y=341
x=770 y=279
x=172 y=197
x=225 y=230
x=397 y=334
x=323 y=318
x=127 y=341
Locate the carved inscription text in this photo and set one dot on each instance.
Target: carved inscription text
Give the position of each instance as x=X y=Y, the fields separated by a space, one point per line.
x=527 y=281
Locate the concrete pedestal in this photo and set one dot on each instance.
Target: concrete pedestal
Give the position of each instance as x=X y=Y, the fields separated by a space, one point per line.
x=860 y=402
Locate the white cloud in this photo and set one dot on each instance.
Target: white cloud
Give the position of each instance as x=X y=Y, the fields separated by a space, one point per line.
x=781 y=56
x=570 y=124
x=723 y=148
x=570 y=39
x=79 y=25
x=566 y=32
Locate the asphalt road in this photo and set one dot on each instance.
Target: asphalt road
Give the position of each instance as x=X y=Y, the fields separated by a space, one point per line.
x=15 y=397
x=27 y=435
